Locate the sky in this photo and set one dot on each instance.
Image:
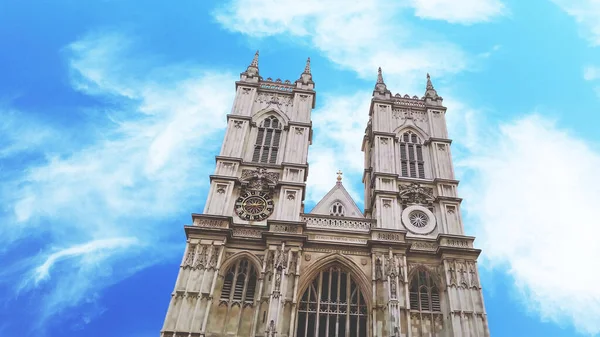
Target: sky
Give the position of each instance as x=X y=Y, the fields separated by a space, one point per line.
x=111 y=113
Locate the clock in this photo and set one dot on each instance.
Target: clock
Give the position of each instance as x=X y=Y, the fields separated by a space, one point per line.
x=254 y=206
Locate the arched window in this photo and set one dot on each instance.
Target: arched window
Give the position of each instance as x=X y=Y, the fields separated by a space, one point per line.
x=411 y=156
x=267 y=141
x=424 y=295
x=239 y=284
x=332 y=305
x=337 y=209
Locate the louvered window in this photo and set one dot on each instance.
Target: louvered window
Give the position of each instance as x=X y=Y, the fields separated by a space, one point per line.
x=266 y=146
x=411 y=156
x=239 y=284
x=424 y=294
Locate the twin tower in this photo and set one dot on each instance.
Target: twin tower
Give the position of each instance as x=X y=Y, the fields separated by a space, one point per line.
x=257 y=265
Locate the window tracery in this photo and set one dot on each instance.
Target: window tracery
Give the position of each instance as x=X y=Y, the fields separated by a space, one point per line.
x=332 y=305
x=411 y=156
x=336 y=209
x=267 y=141
x=239 y=285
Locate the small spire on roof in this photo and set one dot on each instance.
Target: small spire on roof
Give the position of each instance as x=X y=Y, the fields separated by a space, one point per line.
x=339 y=176
x=430 y=92
x=255 y=60
x=379 y=76
x=307 y=67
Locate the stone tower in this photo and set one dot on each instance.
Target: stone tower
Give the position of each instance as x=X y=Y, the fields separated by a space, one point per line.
x=257 y=265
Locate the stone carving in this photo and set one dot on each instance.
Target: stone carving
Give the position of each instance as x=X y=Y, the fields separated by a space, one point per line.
x=274 y=99
x=291 y=195
x=452 y=273
x=378 y=271
x=387 y=203
x=307 y=257
x=462 y=274
x=259 y=179
x=293 y=263
x=277 y=284
x=238 y=124
x=299 y=131
x=189 y=259
x=281 y=258
x=247 y=232
x=457 y=243
x=202 y=257
x=389 y=236
x=414 y=193
x=474 y=281
x=271 y=329
x=303 y=98
x=246 y=91
x=393 y=286
x=285 y=228
x=210 y=223
x=423 y=245
x=338 y=239
x=221 y=188
x=277 y=87
x=214 y=257
x=384 y=141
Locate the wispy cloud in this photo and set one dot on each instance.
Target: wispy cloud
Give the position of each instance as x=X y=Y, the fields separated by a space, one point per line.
x=530 y=187
x=100 y=205
x=463 y=12
x=337 y=30
x=585 y=13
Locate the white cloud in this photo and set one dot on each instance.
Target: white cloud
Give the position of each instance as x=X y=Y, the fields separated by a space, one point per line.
x=339 y=129
x=363 y=35
x=464 y=11
x=591 y=73
x=100 y=203
x=586 y=14
x=531 y=199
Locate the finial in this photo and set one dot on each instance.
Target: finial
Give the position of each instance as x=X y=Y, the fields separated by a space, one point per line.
x=307 y=67
x=430 y=91
x=255 y=60
x=429 y=85
x=379 y=76
x=339 y=176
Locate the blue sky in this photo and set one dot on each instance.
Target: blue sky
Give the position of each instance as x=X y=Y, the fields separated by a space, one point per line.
x=111 y=113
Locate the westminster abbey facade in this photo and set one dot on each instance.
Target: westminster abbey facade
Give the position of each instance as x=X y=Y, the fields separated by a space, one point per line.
x=257 y=265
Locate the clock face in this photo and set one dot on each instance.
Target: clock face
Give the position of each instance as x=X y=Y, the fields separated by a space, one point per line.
x=254 y=206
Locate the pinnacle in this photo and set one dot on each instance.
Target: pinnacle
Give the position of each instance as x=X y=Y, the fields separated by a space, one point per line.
x=255 y=60
x=379 y=76
x=307 y=67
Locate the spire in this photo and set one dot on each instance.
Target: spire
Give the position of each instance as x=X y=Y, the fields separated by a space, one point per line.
x=255 y=60
x=307 y=67
x=306 y=76
x=252 y=69
x=380 y=86
x=430 y=91
x=339 y=176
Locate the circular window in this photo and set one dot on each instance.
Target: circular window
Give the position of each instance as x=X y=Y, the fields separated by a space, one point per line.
x=418 y=219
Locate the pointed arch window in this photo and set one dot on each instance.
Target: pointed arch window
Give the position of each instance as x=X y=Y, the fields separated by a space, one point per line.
x=337 y=209
x=239 y=285
x=332 y=305
x=267 y=141
x=411 y=156
x=424 y=294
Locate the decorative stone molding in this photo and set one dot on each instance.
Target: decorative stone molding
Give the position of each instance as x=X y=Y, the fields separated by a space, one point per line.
x=247 y=232
x=388 y=236
x=333 y=250
x=424 y=245
x=331 y=238
x=211 y=223
x=293 y=229
x=273 y=99
x=336 y=223
x=456 y=242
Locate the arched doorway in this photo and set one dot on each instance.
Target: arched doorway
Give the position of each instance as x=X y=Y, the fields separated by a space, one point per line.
x=332 y=306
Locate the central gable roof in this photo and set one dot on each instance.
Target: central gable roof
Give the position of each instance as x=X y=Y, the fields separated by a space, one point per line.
x=338 y=193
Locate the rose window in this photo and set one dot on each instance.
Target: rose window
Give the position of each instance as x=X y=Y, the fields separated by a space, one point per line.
x=418 y=219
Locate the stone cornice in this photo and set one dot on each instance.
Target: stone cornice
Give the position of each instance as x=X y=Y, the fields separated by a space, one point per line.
x=437 y=140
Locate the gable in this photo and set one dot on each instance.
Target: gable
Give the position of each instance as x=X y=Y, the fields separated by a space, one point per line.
x=339 y=196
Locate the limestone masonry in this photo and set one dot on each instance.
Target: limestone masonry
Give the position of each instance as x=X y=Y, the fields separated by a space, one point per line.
x=257 y=265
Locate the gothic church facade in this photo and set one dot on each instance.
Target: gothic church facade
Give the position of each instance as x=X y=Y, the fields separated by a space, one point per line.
x=257 y=265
